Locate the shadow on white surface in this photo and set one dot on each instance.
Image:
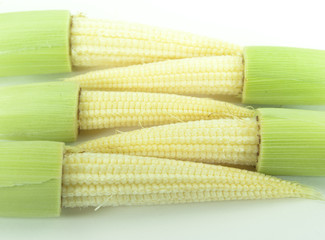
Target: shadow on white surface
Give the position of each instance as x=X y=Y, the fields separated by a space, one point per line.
x=221 y=207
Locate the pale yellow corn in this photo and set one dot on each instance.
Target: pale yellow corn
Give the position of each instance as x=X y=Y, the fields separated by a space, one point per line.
x=97 y=43
x=95 y=179
x=220 y=75
x=99 y=109
x=222 y=141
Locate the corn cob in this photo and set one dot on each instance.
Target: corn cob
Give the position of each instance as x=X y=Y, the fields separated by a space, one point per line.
x=115 y=109
x=56 y=111
x=222 y=141
x=220 y=75
x=278 y=142
x=38 y=178
x=95 y=179
x=285 y=76
x=40 y=40
x=109 y=43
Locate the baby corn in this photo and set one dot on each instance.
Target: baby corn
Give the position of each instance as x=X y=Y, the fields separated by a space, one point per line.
x=57 y=110
x=97 y=43
x=116 y=109
x=96 y=179
x=218 y=75
x=38 y=178
x=222 y=141
x=277 y=141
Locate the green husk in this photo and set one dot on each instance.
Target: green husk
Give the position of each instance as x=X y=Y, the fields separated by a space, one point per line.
x=292 y=142
x=282 y=75
x=36 y=42
x=43 y=111
x=30 y=179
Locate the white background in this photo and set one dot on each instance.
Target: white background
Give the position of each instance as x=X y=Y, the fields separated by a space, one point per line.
x=248 y=22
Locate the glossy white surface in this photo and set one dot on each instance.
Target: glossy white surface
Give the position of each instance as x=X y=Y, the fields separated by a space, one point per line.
x=250 y=22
